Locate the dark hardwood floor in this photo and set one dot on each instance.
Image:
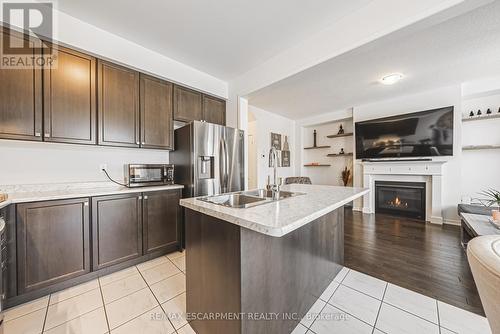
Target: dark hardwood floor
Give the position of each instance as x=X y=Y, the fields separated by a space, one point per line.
x=419 y=256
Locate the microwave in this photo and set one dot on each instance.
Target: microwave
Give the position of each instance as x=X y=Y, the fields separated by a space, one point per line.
x=144 y=175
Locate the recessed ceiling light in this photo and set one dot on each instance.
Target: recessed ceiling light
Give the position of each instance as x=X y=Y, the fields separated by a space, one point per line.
x=391 y=79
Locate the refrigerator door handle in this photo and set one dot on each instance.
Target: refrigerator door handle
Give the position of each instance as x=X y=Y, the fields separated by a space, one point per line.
x=222 y=165
x=226 y=167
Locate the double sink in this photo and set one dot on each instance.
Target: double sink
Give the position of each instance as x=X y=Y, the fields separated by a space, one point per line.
x=247 y=199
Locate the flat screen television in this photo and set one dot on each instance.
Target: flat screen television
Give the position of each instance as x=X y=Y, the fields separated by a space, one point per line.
x=421 y=134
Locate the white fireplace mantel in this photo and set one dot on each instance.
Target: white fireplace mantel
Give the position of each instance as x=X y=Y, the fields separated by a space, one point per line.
x=430 y=172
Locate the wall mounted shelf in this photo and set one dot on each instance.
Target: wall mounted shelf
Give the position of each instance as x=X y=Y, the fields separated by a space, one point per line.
x=315 y=147
x=480 y=147
x=322 y=165
x=332 y=155
x=480 y=118
x=339 y=136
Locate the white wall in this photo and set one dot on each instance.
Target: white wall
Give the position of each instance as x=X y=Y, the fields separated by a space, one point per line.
x=480 y=169
x=265 y=123
x=327 y=175
x=252 y=152
x=447 y=96
x=325 y=124
x=34 y=162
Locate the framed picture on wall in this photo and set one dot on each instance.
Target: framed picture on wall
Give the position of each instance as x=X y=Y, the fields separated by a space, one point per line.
x=276 y=141
x=285 y=158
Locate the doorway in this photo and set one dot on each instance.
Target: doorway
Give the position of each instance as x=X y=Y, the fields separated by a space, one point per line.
x=252 y=151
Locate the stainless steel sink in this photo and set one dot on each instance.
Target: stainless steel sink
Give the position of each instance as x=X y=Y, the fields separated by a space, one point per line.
x=246 y=199
x=263 y=193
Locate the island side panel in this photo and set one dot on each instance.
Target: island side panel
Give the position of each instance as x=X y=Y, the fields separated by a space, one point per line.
x=286 y=275
x=213 y=270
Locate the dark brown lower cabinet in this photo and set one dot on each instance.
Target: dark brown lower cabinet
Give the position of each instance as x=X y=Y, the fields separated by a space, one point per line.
x=52 y=242
x=116 y=229
x=160 y=220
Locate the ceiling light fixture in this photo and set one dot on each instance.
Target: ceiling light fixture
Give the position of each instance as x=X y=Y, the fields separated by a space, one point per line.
x=391 y=79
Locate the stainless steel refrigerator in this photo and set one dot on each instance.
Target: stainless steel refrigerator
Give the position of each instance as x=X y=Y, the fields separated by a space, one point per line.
x=208 y=159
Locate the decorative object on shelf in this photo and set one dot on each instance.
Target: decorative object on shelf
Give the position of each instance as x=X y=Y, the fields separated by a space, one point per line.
x=479 y=113
x=286 y=147
x=285 y=154
x=346 y=175
x=342 y=151
x=314 y=138
x=3 y=197
x=285 y=158
x=341 y=130
x=471 y=114
x=499 y=110
x=276 y=141
x=488 y=112
x=492 y=198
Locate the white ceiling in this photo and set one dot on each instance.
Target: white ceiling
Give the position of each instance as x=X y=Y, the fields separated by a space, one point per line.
x=464 y=48
x=224 y=38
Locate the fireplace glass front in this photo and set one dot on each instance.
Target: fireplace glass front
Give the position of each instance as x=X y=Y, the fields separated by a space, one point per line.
x=405 y=199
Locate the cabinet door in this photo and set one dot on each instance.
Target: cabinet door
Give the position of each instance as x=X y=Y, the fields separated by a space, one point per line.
x=157 y=126
x=116 y=229
x=187 y=104
x=214 y=110
x=20 y=96
x=118 y=96
x=69 y=99
x=52 y=242
x=160 y=220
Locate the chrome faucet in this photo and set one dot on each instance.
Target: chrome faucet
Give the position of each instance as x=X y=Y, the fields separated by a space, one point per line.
x=277 y=182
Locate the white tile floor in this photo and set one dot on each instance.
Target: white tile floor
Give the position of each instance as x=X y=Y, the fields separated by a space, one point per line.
x=358 y=303
x=146 y=299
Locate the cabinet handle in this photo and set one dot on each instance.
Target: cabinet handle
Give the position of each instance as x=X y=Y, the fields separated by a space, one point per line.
x=137 y=143
x=47 y=135
x=145 y=197
x=86 y=203
x=38 y=134
x=140 y=197
x=143 y=143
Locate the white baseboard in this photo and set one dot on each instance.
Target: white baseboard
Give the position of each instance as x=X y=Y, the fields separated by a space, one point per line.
x=357 y=208
x=455 y=222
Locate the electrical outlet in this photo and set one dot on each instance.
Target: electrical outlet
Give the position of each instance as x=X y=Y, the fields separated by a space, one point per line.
x=103 y=166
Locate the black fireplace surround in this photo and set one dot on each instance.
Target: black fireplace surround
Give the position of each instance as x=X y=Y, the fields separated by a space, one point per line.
x=405 y=199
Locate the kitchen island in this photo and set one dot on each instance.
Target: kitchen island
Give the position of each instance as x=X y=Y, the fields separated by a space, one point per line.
x=259 y=269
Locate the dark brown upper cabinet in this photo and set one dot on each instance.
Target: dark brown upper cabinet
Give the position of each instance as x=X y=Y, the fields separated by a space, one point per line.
x=118 y=96
x=52 y=242
x=214 y=110
x=157 y=126
x=69 y=99
x=187 y=104
x=21 y=94
x=160 y=220
x=116 y=229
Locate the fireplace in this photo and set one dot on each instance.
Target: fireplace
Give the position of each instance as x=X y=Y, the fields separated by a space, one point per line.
x=405 y=199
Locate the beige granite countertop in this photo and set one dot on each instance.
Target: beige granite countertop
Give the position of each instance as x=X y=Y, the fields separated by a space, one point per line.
x=284 y=216
x=46 y=192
